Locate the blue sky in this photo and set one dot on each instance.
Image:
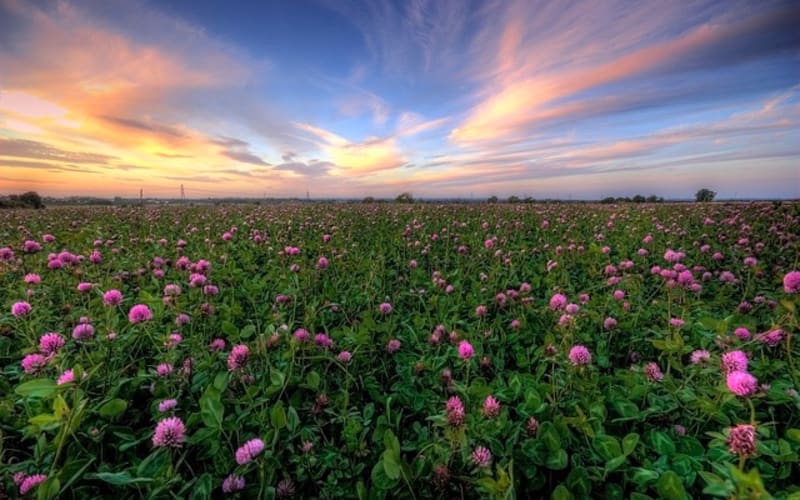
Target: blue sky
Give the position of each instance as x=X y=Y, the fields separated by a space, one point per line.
x=442 y=98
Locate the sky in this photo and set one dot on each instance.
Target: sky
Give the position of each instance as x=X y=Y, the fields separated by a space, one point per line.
x=439 y=98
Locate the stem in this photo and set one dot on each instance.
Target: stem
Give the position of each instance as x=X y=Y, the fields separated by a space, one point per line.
x=752 y=411
x=261 y=478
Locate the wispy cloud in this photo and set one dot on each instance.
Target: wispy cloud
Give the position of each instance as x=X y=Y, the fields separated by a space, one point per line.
x=407 y=37
x=356 y=158
x=239 y=150
x=516 y=102
x=23 y=148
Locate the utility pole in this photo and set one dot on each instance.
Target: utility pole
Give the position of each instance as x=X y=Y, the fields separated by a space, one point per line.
x=141 y=196
x=183 y=194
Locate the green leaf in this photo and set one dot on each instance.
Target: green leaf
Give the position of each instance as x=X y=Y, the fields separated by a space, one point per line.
x=276 y=378
x=711 y=478
x=113 y=408
x=278 y=416
x=625 y=408
x=615 y=462
x=662 y=443
x=361 y=490
x=292 y=419
x=642 y=477
x=719 y=490
x=49 y=489
x=669 y=486
x=313 y=379
x=391 y=443
x=220 y=381
x=614 y=492
x=203 y=487
x=549 y=436
x=44 y=419
x=390 y=464
x=379 y=478
x=607 y=447
x=38 y=388
x=154 y=464
x=557 y=460
x=211 y=408
x=60 y=407
x=793 y=435
x=578 y=482
x=533 y=401
x=74 y=471
x=661 y=345
x=683 y=465
x=629 y=443
x=229 y=329
x=119 y=478
x=247 y=331
x=562 y=493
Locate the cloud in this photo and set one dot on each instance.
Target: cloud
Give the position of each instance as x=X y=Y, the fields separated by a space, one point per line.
x=53 y=40
x=410 y=123
x=309 y=169
x=53 y=167
x=513 y=101
x=237 y=149
x=169 y=155
x=195 y=178
x=230 y=142
x=405 y=38
x=365 y=102
x=244 y=157
x=144 y=126
x=23 y=148
x=148 y=78
x=362 y=158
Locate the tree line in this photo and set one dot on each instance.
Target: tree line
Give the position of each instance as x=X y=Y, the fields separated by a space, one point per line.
x=31 y=199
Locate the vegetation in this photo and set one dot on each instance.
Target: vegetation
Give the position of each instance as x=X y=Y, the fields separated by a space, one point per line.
x=31 y=199
x=400 y=351
x=705 y=195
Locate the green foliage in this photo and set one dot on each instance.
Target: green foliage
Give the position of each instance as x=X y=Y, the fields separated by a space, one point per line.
x=704 y=195
x=374 y=424
x=30 y=199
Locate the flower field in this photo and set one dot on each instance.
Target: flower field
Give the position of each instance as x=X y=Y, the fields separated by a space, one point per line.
x=401 y=351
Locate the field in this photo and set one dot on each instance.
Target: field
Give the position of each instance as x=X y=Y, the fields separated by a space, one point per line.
x=401 y=351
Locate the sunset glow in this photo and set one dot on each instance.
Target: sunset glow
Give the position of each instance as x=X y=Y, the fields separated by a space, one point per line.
x=441 y=98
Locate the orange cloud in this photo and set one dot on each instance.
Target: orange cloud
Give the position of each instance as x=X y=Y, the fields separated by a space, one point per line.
x=515 y=100
x=369 y=156
x=70 y=78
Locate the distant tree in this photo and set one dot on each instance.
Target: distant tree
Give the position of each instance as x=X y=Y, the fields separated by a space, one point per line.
x=513 y=199
x=404 y=198
x=608 y=200
x=639 y=199
x=492 y=199
x=31 y=199
x=704 y=195
x=368 y=199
